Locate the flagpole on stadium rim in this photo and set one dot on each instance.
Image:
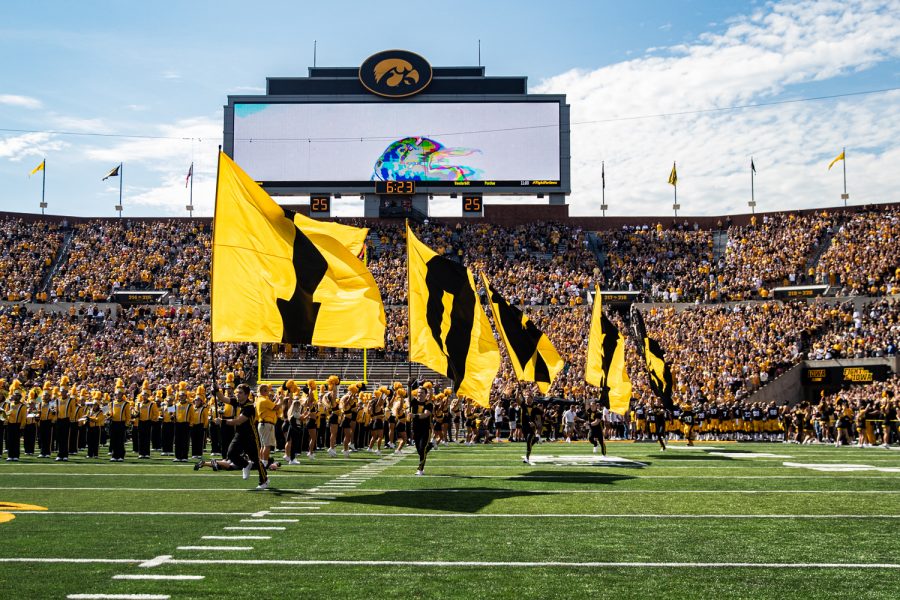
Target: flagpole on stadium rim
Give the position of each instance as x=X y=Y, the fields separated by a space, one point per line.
x=212 y=355
x=365 y=350
x=845 y=196
x=44 y=186
x=121 y=178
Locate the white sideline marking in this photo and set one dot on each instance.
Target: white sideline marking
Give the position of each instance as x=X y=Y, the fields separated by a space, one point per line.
x=161 y=577
x=118 y=597
x=447 y=563
x=539 y=492
x=269 y=520
x=114 y=512
x=261 y=513
x=155 y=562
x=236 y=537
x=122 y=489
x=841 y=468
x=296 y=507
x=749 y=455
x=215 y=548
x=586 y=459
x=254 y=528
x=591 y=516
x=305 y=502
x=73 y=560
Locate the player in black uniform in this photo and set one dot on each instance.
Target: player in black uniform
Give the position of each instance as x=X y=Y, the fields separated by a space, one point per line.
x=594 y=419
x=420 y=410
x=661 y=415
x=243 y=451
x=530 y=417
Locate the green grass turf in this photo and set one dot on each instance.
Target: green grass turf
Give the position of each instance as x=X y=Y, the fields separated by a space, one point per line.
x=461 y=484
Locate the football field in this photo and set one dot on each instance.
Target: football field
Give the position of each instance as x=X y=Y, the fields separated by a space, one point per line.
x=716 y=521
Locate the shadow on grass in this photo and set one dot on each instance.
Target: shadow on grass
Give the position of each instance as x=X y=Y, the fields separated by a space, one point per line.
x=471 y=500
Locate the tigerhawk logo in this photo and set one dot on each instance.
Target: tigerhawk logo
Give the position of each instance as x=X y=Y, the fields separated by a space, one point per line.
x=395 y=73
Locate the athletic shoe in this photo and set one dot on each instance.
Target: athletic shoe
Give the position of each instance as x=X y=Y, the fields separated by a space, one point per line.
x=9 y=460
x=176 y=460
x=263 y=486
x=526 y=461
x=346 y=453
x=294 y=462
x=311 y=456
x=595 y=449
x=332 y=453
x=286 y=458
x=420 y=472
x=110 y=460
x=214 y=465
x=378 y=452
x=245 y=472
x=197 y=465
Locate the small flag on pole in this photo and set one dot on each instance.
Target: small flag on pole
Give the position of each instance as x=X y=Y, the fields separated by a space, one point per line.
x=190 y=174
x=114 y=172
x=752 y=166
x=837 y=158
x=673 y=176
x=40 y=167
x=603 y=174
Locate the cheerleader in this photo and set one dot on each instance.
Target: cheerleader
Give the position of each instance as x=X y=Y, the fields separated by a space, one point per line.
x=348 y=408
x=377 y=409
x=310 y=416
x=401 y=416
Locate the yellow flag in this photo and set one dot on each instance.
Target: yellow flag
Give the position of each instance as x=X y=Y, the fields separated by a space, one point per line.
x=281 y=277
x=837 y=158
x=533 y=356
x=449 y=331
x=673 y=176
x=40 y=167
x=605 y=366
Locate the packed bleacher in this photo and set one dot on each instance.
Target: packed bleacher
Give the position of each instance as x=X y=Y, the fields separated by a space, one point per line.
x=545 y=268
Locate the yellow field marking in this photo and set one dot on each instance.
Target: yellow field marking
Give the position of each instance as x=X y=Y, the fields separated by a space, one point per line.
x=5 y=517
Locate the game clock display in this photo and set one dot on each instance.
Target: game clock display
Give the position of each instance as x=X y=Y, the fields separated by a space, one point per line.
x=320 y=204
x=472 y=204
x=399 y=188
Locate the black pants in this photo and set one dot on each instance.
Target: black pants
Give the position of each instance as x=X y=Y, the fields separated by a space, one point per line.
x=117 y=439
x=93 y=442
x=227 y=434
x=182 y=440
x=215 y=438
x=198 y=439
x=28 y=438
x=73 y=437
x=596 y=437
x=529 y=440
x=156 y=435
x=62 y=438
x=13 y=434
x=143 y=433
x=136 y=434
x=238 y=448
x=421 y=437
x=168 y=437
x=45 y=437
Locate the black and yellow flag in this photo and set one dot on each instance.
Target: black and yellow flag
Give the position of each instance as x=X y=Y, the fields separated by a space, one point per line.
x=281 y=277
x=659 y=371
x=673 y=176
x=533 y=356
x=448 y=328
x=605 y=366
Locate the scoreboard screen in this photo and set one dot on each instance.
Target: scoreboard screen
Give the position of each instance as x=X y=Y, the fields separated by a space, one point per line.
x=438 y=145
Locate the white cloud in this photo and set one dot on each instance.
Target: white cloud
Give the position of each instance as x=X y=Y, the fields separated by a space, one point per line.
x=19 y=147
x=20 y=101
x=755 y=58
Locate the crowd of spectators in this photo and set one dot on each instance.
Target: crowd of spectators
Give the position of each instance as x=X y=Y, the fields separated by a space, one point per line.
x=93 y=347
x=864 y=256
x=109 y=255
x=27 y=250
x=872 y=330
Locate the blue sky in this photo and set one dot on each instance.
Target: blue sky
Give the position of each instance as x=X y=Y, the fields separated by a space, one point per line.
x=165 y=69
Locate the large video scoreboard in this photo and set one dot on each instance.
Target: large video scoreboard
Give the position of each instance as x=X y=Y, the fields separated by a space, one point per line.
x=398 y=126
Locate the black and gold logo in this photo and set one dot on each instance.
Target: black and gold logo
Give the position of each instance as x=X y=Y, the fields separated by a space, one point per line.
x=395 y=73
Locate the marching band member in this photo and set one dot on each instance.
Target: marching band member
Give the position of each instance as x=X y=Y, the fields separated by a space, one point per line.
x=183 y=415
x=167 y=427
x=16 y=411
x=29 y=434
x=65 y=416
x=46 y=421
x=148 y=414
x=309 y=415
x=96 y=419
x=198 y=423
x=120 y=413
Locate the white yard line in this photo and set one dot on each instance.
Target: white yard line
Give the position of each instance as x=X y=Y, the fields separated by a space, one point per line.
x=216 y=548
x=254 y=528
x=437 y=515
x=269 y=520
x=526 y=564
x=87 y=561
x=236 y=537
x=118 y=597
x=161 y=577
